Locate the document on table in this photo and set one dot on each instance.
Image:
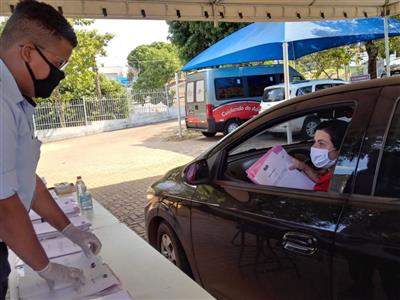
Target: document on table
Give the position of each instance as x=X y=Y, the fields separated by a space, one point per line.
x=67 y=205
x=100 y=280
x=45 y=230
x=273 y=169
x=55 y=247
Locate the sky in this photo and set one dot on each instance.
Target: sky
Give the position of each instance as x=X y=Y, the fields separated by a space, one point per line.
x=128 y=35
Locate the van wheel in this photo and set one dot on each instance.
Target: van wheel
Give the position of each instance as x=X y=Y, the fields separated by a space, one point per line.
x=169 y=246
x=309 y=126
x=230 y=126
x=208 y=134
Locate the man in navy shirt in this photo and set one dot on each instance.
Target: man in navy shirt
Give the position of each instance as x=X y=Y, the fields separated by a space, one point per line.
x=35 y=46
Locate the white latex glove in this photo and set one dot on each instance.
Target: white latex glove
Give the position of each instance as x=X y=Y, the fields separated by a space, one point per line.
x=54 y=272
x=89 y=243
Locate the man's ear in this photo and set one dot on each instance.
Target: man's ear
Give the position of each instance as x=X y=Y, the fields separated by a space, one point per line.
x=26 y=53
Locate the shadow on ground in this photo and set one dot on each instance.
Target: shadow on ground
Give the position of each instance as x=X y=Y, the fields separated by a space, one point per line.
x=126 y=201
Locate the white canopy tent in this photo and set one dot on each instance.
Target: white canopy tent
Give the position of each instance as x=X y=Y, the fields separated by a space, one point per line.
x=219 y=10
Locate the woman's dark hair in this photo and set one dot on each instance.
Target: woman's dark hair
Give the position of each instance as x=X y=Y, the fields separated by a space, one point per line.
x=44 y=16
x=336 y=130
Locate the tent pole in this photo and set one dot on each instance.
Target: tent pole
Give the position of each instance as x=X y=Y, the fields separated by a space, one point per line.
x=387 y=54
x=178 y=103
x=286 y=81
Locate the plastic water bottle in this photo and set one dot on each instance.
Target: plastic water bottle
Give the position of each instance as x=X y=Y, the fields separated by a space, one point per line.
x=84 y=197
x=80 y=187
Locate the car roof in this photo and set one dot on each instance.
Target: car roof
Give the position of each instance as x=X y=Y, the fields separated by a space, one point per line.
x=354 y=86
x=301 y=83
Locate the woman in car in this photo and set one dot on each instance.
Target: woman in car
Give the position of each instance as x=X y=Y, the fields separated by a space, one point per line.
x=324 y=152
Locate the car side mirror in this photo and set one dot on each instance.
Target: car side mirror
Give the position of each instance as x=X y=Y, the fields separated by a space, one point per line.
x=197 y=172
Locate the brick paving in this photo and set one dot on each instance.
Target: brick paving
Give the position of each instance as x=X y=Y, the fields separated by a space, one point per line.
x=119 y=166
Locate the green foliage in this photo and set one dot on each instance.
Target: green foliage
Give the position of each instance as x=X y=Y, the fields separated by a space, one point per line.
x=318 y=64
x=191 y=38
x=2 y=24
x=156 y=64
x=80 y=80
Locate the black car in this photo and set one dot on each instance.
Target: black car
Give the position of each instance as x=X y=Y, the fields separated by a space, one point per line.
x=240 y=240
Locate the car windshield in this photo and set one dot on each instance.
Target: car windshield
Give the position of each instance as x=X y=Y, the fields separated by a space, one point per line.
x=273 y=95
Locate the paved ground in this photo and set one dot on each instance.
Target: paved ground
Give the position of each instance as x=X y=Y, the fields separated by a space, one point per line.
x=118 y=166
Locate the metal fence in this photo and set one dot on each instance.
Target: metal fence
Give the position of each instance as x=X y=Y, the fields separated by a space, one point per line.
x=84 y=111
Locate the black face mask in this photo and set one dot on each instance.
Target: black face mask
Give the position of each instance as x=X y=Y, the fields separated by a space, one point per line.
x=44 y=87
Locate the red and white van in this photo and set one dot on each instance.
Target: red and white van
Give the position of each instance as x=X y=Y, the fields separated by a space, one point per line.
x=219 y=100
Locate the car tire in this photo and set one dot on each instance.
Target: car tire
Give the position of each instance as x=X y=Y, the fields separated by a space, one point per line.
x=208 y=134
x=169 y=246
x=309 y=126
x=230 y=126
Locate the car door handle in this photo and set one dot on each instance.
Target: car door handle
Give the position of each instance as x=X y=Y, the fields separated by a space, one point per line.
x=299 y=243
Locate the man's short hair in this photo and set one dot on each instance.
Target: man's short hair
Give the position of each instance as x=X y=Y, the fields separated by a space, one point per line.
x=336 y=130
x=39 y=22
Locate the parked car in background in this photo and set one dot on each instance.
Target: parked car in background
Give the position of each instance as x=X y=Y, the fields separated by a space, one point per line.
x=275 y=94
x=219 y=100
x=240 y=240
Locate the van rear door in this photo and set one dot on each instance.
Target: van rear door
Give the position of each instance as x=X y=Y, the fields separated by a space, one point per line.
x=195 y=103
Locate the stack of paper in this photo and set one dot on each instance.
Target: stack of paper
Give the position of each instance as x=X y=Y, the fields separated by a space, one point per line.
x=67 y=205
x=46 y=231
x=273 y=169
x=100 y=280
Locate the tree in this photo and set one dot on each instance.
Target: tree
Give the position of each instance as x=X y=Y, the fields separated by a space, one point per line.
x=2 y=24
x=191 y=38
x=322 y=62
x=157 y=63
x=80 y=80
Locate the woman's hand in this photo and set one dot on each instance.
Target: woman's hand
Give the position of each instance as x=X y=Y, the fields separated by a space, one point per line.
x=297 y=164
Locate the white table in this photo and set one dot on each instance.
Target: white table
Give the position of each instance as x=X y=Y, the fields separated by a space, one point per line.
x=144 y=272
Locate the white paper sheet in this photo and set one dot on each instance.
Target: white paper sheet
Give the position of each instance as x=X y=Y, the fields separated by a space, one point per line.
x=45 y=230
x=55 y=247
x=99 y=280
x=67 y=205
x=273 y=169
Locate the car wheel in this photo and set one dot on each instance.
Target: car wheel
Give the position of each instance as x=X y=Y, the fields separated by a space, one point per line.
x=309 y=126
x=230 y=126
x=208 y=134
x=169 y=246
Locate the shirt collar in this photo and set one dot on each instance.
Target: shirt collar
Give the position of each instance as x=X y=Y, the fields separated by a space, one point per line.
x=8 y=86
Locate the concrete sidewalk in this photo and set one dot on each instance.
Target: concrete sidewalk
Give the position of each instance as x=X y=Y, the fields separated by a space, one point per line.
x=119 y=166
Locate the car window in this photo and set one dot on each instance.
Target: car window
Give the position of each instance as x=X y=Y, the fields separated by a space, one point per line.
x=200 y=91
x=319 y=87
x=302 y=128
x=304 y=90
x=227 y=88
x=256 y=84
x=273 y=95
x=388 y=183
x=190 y=92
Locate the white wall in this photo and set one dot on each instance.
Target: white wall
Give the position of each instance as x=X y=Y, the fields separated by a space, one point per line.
x=134 y=120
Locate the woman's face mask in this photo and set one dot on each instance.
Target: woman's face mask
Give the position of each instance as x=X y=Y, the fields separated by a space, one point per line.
x=44 y=87
x=320 y=158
